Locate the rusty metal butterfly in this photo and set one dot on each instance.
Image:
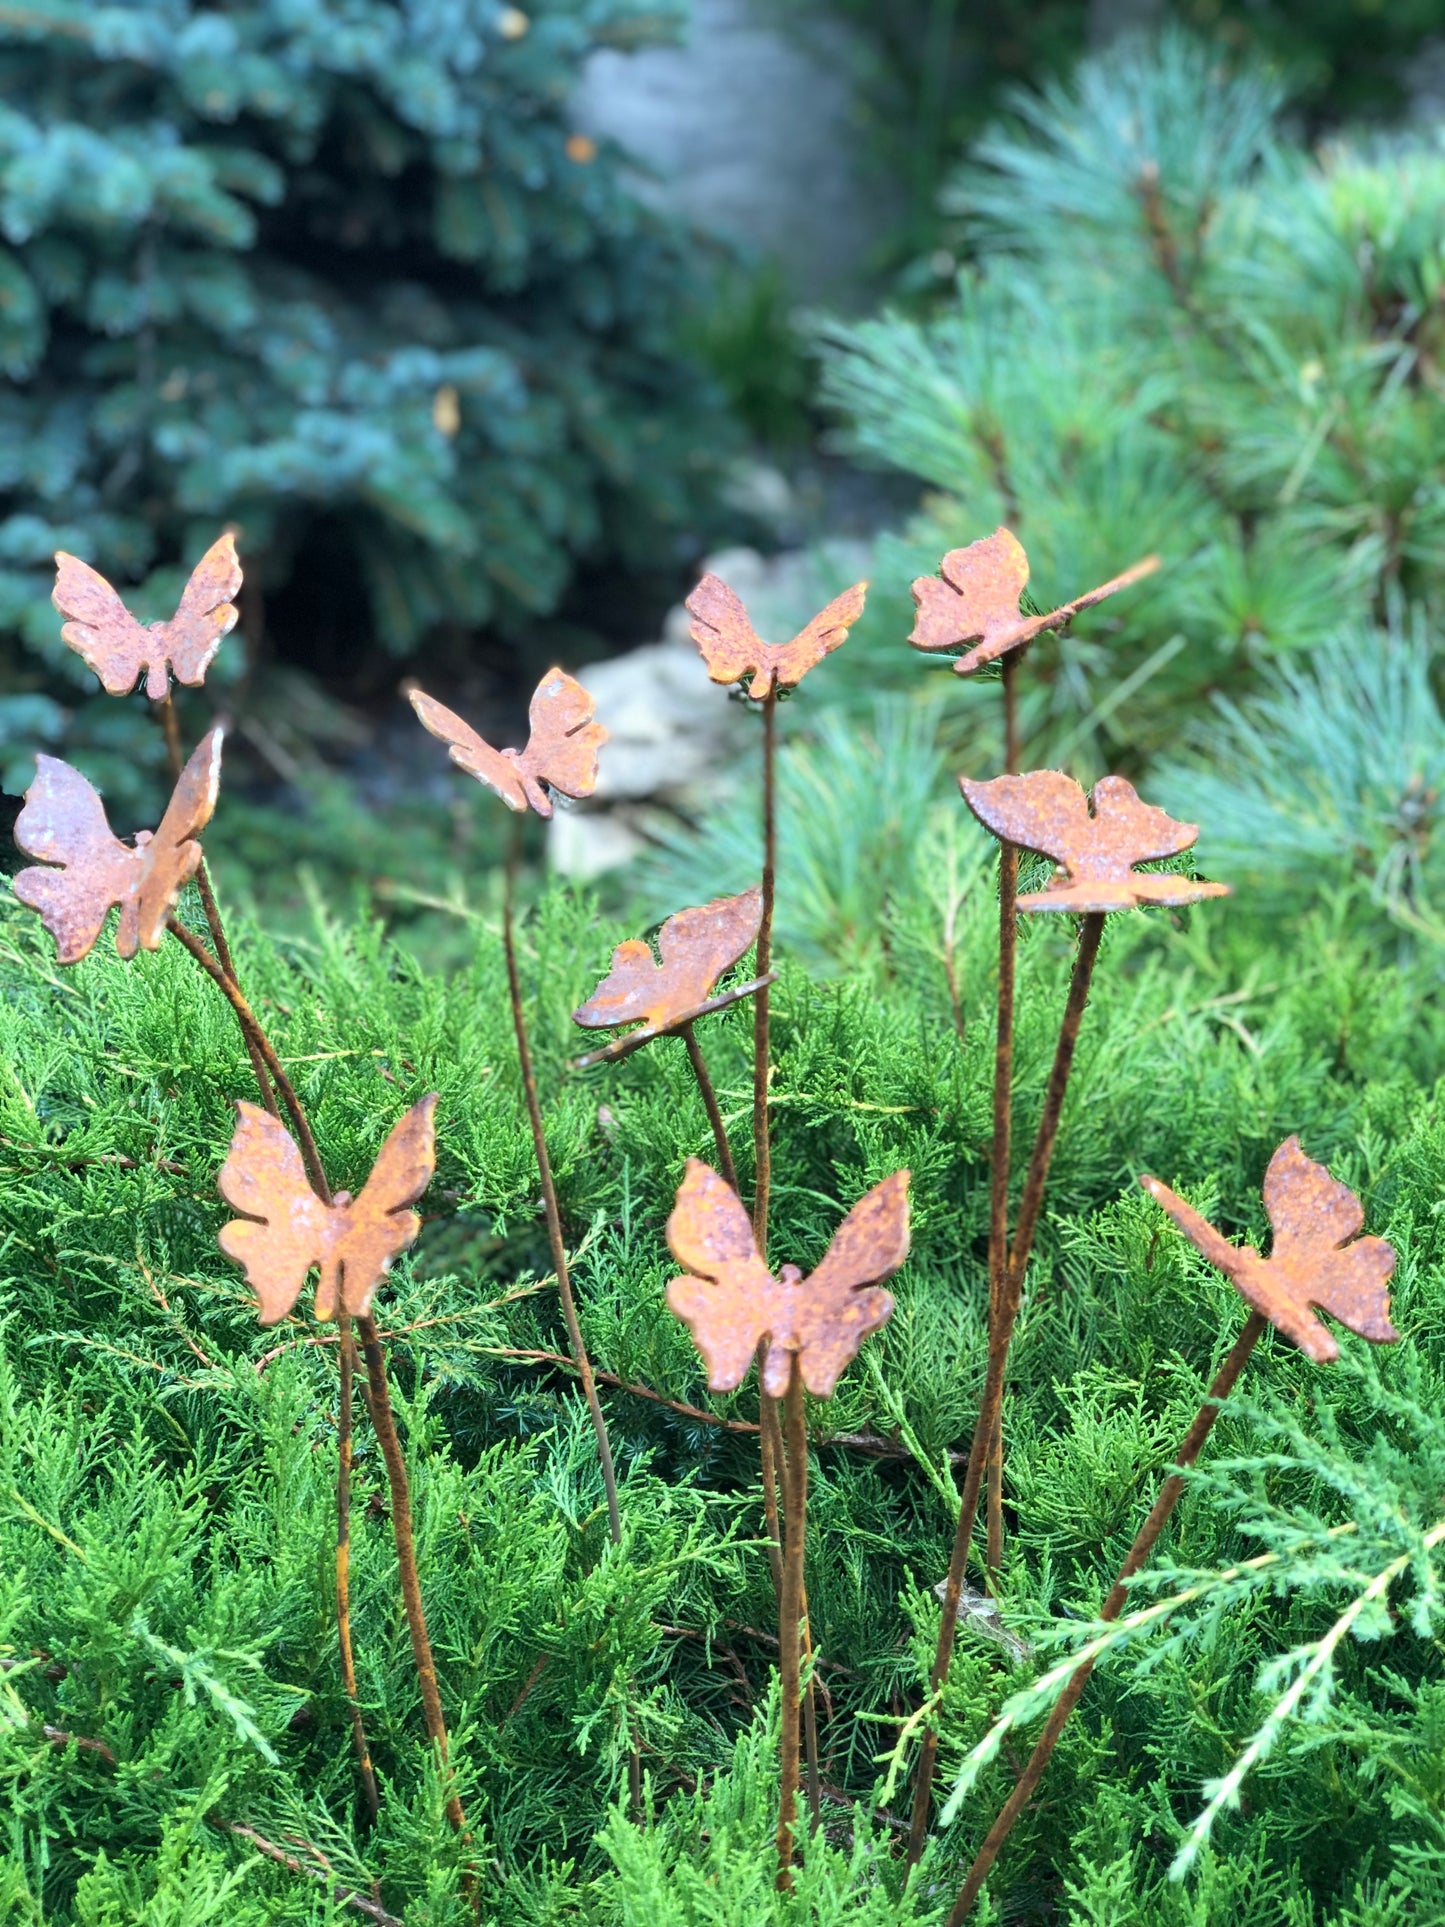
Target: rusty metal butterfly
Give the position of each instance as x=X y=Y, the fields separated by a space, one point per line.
x=286 y=1228
x=732 y=648
x=561 y=752
x=696 y=947
x=1048 y=812
x=120 y=650
x=1317 y=1257
x=975 y=597
x=64 y=824
x=731 y=1302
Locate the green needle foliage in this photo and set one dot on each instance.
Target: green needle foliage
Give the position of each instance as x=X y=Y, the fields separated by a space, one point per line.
x=1181 y=331
x=345 y=275
x=1265 y=1748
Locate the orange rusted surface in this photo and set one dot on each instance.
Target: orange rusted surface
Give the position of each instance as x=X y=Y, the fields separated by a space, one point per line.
x=731 y=1303
x=120 y=650
x=1316 y=1257
x=286 y=1228
x=975 y=598
x=64 y=824
x=696 y=947
x=561 y=752
x=732 y=648
x=1096 y=853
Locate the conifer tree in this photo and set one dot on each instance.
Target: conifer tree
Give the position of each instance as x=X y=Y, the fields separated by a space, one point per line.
x=280 y=260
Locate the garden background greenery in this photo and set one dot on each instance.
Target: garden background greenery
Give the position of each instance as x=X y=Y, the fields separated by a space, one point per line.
x=333 y=272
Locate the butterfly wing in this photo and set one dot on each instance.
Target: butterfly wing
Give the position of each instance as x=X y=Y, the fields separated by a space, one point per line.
x=64 y=823
x=634 y=988
x=1318 y=1258
x=173 y=856
x=1044 y=811
x=469 y=751
x=720 y=627
x=698 y=945
x=1138 y=831
x=561 y=752
x=206 y=614
x=730 y=1301
x=99 y=627
x=828 y=629
x=976 y=597
x=842 y=1301
x=379 y=1223
x=1225 y=1257
x=286 y=1228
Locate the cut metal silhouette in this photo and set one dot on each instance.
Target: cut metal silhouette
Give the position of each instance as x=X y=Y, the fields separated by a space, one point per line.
x=64 y=825
x=1048 y=812
x=120 y=649
x=1317 y=1257
x=732 y=1304
x=287 y=1228
x=561 y=751
x=975 y=598
x=696 y=946
x=732 y=648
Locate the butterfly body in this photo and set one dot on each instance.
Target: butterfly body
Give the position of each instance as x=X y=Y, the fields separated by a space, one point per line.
x=1317 y=1257
x=733 y=649
x=1096 y=850
x=287 y=1228
x=696 y=947
x=561 y=751
x=732 y=1303
x=64 y=825
x=122 y=650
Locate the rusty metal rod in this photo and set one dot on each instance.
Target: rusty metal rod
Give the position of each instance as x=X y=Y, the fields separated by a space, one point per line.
x=726 y=1168
x=1143 y=1545
x=790 y=1613
x=384 y=1421
x=762 y=1042
x=347 y=1358
x=252 y=1031
x=549 y=1203
x=1008 y=881
x=999 y=1340
x=223 y=956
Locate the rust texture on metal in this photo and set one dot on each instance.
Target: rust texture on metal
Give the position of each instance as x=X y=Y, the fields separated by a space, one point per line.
x=121 y=650
x=732 y=648
x=696 y=947
x=286 y=1228
x=632 y=1040
x=64 y=826
x=1049 y=813
x=975 y=598
x=732 y=1304
x=561 y=751
x=1317 y=1257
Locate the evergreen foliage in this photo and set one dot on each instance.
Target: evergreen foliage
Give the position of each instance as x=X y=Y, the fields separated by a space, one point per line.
x=1184 y=333
x=341 y=274
x=166 y=1494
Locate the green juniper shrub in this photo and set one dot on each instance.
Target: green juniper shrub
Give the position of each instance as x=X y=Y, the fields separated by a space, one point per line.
x=166 y=1491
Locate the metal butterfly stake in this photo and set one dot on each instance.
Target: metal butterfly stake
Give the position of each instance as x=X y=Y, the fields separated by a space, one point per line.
x=732 y=650
x=560 y=754
x=802 y=1332
x=1317 y=1259
x=1096 y=852
x=87 y=870
x=976 y=598
x=665 y=998
x=291 y=1221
